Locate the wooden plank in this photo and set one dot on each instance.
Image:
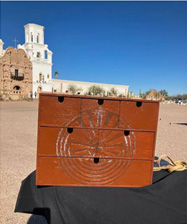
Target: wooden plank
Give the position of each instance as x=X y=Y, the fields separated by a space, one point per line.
x=95 y=143
x=84 y=172
x=139 y=117
x=57 y=111
x=100 y=113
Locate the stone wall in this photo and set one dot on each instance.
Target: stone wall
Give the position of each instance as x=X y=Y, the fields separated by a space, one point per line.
x=15 y=74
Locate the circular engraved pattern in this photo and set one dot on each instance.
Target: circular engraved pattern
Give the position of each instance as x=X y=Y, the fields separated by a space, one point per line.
x=76 y=154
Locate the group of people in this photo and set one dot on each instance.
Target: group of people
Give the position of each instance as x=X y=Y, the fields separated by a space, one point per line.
x=31 y=95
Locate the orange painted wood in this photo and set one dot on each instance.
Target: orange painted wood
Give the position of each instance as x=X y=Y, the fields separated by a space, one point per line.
x=94 y=141
x=52 y=112
x=143 y=117
x=84 y=172
x=106 y=110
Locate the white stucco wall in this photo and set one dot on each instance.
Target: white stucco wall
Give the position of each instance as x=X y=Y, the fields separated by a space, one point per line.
x=1 y=48
x=45 y=71
x=36 y=50
x=34 y=33
x=40 y=56
x=61 y=86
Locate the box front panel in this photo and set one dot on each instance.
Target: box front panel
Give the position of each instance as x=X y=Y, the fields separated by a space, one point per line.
x=95 y=142
x=100 y=113
x=141 y=116
x=81 y=142
x=58 y=111
x=85 y=172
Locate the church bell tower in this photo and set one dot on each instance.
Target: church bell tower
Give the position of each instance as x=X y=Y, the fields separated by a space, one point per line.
x=40 y=56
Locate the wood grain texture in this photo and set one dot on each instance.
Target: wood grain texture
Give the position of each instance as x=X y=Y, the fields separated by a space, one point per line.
x=95 y=143
x=143 y=117
x=101 y=113
x=85 y=141
x=55 y=113
x=84 y=172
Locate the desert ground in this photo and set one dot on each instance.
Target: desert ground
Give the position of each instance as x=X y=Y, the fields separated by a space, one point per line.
x=18 y=141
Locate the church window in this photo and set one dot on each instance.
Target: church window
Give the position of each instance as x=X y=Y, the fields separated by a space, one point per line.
x=27 y=37
x=45 y=53
x=38 y=55
x=40 y=77
x=48 y=76
x=16 y=73
x=16 y=87
x=66 y=91
x=31 y=37
x=38 y=38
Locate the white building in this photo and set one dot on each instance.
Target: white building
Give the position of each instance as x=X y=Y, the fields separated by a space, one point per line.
x=40 y=56
x=1 y=48
x=62 y=86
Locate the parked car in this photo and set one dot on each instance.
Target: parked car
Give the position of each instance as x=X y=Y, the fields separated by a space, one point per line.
x=182 y=101
x=175 y=100
x=179 y=100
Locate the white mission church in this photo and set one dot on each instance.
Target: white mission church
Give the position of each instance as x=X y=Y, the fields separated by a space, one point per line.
x=41 y=58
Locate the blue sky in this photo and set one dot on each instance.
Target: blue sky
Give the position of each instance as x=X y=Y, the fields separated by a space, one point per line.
x=140 y=44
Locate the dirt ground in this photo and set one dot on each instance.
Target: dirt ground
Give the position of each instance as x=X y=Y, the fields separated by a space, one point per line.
x=18 y=140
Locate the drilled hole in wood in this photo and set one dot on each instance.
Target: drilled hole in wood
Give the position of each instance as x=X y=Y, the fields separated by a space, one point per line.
x=126 y=133
x=96 y=160
x=60 y=99
x=70 y=130
x=100 y=102
x=139 y=104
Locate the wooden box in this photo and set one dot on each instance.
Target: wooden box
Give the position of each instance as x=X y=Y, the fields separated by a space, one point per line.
x=95 y=141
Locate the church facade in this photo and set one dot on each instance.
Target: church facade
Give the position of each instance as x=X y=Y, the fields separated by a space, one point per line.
x=40 y=56
x=15 y=74
x=36 y=54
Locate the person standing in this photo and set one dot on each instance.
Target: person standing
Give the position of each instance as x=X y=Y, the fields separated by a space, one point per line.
x=35 y=94
x=31 y=95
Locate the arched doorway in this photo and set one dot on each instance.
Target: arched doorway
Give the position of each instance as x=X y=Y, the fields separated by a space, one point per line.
x=40 y=77
x=39 y=90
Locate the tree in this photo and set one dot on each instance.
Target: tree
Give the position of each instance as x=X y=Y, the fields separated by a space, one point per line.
x=131 y=94
x=95 y=90
x=147 y=92
x=72 y=88
x=56 y=74
x=140 y=93
x=163 y=93
x=158 y=95
x=113 y=92
x=120 y=95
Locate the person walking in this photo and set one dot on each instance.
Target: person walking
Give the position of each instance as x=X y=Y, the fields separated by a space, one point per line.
x=31 y=95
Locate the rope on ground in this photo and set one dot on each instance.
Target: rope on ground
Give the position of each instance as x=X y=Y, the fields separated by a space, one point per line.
x=172 y=166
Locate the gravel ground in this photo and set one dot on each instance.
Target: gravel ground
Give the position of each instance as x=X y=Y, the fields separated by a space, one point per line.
x=18 y=140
